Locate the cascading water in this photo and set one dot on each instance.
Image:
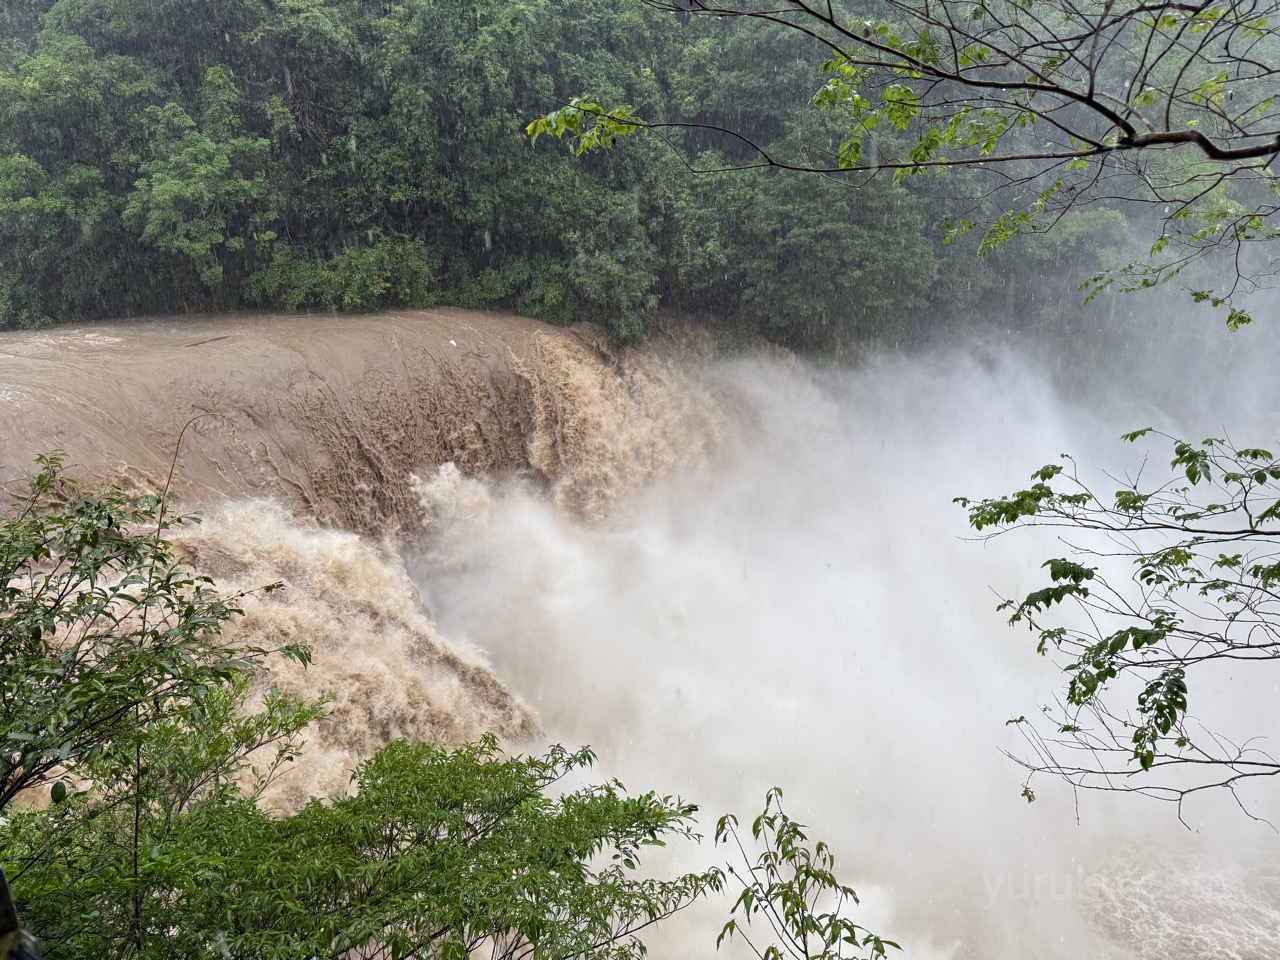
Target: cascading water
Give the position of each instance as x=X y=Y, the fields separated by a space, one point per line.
x=810 y=615
x=382 y=663
x=724 y=575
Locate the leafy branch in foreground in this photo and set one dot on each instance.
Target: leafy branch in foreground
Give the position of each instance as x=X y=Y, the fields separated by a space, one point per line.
x=1202 y=549
x=119 y=696
x=104 y=630
x=792 y=887
x=1166 y=107
x=587 y=125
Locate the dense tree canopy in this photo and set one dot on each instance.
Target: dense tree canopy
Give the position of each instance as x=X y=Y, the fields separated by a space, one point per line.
x=341 y=155
x=1163 y=110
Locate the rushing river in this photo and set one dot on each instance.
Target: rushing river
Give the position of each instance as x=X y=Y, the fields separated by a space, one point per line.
x=723 y=574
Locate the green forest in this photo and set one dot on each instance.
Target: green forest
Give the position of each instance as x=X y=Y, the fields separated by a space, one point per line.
x=165 y=157
x=352 y=156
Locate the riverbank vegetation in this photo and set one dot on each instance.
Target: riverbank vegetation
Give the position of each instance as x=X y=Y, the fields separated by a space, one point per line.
x=338 y=155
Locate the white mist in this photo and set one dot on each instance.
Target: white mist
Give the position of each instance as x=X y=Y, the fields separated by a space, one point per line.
x=809 y=613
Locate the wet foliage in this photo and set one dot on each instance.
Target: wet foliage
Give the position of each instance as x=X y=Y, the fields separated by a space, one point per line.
x=336 y=155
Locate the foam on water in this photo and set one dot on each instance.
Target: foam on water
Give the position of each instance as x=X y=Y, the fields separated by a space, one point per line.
x=382 y=663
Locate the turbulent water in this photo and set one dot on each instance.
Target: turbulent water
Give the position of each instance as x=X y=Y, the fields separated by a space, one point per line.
x=723 y=574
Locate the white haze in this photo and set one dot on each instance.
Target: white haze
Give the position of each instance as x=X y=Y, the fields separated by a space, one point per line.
x=810 y=614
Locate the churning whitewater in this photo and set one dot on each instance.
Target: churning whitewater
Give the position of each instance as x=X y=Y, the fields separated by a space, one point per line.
x=723 y=574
